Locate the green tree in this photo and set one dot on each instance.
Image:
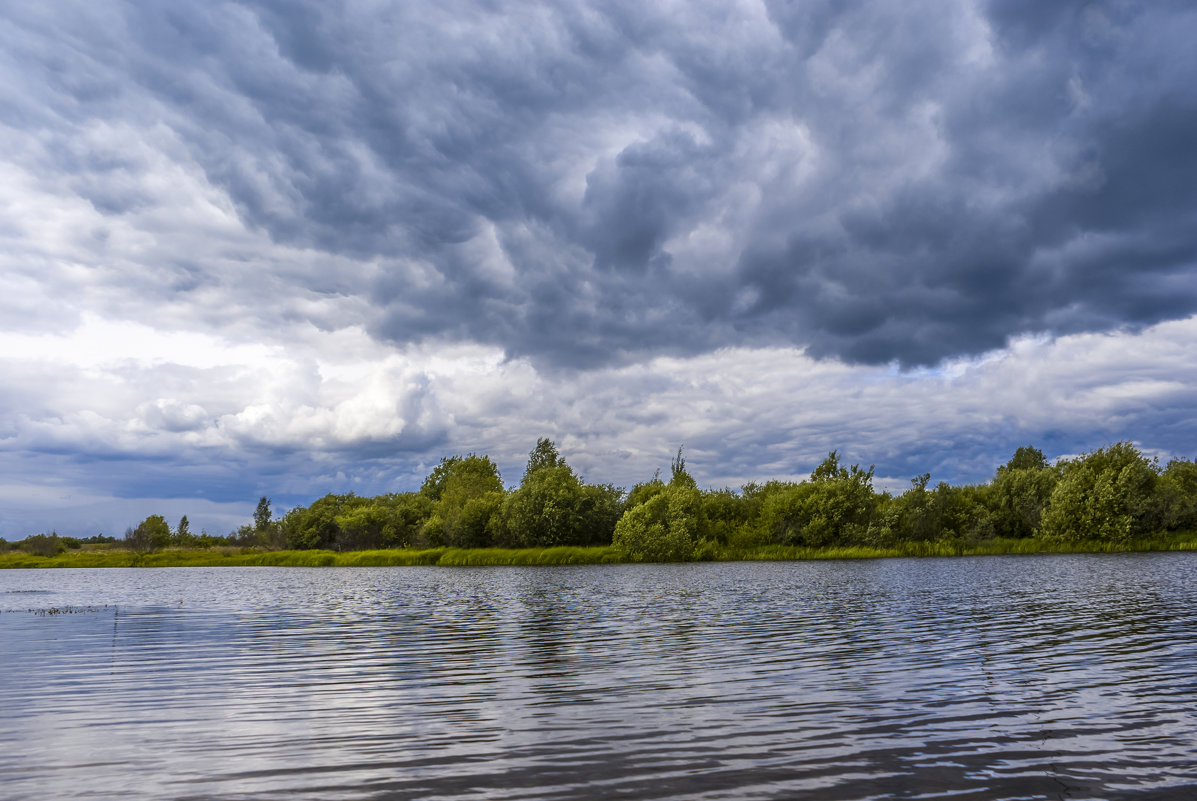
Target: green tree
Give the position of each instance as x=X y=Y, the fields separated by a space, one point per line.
x=476 y=522
x=1107 y=494
x=1020 y=492
x=1178 y=495
x=962 y=513
x=912 y=515
x=726 y=513
x=468 y=512
x=662 y=529
x=315 y=526
x=680 y=476
x=182 y=536
x=1026 y=458
x=434 y=483
x=359 y=522
x=151 y=534
x=552 y=506
x=544 y=455
x=601 y=507
x=546 y=509
x=44 y=544
x=183 y=531
x=835 y=507
x=642 y=492
x=262 y=515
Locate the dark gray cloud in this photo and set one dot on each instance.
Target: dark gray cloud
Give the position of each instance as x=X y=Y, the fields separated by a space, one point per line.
x=294 y=248
x=581 y=185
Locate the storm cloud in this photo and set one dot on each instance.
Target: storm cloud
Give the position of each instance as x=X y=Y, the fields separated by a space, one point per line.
x=594 y=184
x=234 y=236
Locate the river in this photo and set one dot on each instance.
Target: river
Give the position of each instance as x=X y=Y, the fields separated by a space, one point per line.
x=1021 y=677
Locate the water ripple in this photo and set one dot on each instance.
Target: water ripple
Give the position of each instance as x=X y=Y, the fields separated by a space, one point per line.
x=995 y=678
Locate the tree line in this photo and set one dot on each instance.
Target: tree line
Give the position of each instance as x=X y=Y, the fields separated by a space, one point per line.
x=1113 y=494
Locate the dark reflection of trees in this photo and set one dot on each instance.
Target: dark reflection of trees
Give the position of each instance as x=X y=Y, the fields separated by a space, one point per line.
x=546 y=631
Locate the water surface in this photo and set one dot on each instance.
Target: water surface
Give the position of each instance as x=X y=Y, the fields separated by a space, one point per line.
x=992 y=677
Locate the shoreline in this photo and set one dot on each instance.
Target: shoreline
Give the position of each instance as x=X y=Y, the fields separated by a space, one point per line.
x=565 y=555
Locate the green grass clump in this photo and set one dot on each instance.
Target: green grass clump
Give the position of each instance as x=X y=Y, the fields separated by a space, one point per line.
x=561 y=555
x=567 y=555
x=994 y=547
x=456 y=557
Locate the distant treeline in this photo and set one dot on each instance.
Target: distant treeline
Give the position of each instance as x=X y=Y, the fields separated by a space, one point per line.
x=1110 y=495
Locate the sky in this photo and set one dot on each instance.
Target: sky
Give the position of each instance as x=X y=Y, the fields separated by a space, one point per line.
x=285 y=249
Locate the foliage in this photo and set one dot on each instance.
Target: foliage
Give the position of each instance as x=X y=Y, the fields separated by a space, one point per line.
x=388 y=521
x=642 y=492
x=552 y=506
x=468 y=512
x=1025 y=458
x=434 y=484
x=262 y=515
x=151 y=534
x=1103 y=499
x=942 y=514
x=44 y=544
x=230 y=556
x=1178 y=496
x=1020 y=492
x=602 y=505
x=1107 y=495
x=679 y=476
x=837 y=505
x=543 y=456
x=546 y=509
x=662 y=529
x=315 y=526
x=725 y=513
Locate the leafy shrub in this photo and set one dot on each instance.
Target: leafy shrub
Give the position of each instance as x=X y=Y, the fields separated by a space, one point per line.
x=1107 y=494
x=663 y=528
x=44 y=545
x=836 y=506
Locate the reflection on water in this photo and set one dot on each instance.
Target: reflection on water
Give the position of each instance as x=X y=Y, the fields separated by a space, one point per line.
x=1000 y=677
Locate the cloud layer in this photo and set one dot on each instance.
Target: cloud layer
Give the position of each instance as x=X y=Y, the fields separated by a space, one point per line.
x=587 y=185
x=287 y=248
x=206 y=430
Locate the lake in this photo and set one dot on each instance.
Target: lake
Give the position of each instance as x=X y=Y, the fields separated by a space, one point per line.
x=1022 y=677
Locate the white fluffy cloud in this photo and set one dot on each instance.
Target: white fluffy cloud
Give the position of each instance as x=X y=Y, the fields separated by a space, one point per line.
x=123 y=404
x=249 y=251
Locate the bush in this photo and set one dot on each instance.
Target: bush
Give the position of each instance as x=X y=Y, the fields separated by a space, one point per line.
x=1107 y=495
x=1178 y=495
x=546 y=509
x=1020 y=492
x=835 y=507
x=151 y=534
x=44 y=545
x=662 y=529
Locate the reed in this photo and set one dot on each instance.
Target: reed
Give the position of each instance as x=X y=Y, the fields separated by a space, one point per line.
x=994 y=547
x=561 y=555
x=568 y=555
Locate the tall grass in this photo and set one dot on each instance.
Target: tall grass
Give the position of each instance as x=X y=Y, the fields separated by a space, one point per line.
x=994 y=547
x=562 y=555
x=456 y=557
x=567 y=555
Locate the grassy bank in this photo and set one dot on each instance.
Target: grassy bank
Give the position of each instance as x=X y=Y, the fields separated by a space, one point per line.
x=231 y=557
x=457 y=557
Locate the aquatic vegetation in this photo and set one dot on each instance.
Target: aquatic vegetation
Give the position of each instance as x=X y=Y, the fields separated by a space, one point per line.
x=580 y=555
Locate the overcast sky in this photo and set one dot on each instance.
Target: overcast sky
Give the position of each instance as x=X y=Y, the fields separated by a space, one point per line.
x=288 y=248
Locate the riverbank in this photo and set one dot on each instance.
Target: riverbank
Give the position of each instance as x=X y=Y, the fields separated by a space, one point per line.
x=459 y=557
